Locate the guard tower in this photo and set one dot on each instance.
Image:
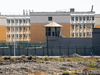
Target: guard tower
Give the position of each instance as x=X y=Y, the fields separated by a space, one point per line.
x=53 y=30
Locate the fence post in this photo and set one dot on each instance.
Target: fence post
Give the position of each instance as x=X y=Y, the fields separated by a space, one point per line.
x=27 y=49
x=43 y=50
x=93 y=50
x=19 y=50
x=76 y=49
x=3 y=50
x=60 y=50
x=51 y=51
x=35 y=50
x=68 y=50
x=85 y=50
x=10 y=50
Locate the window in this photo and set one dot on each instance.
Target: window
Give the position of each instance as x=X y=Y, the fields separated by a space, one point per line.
x=16 y=21
x=92 y=17
x=84 y=18
x=8 y=21
x=88 y=34
x=72 y=26
x=8 y=35
x=80 y=34
x=83 y=26
x=84 y=34
x=48 y=31
x=80 y=26
x=72 y=34
x=76 y=18
x=12 y=35
x=76 y=34
x=20 y=28
x=49 y=18
x=23 y=21
x=72 y=18
x=20 y=21
x=80 y=18
x=12 y=21
x=24 y=35
x=76 y=26
x=92 y=25
x=87 y=18
x=20 y=35
x=12 y=28
x=24 y=28
x=16 y=28
x=8 y=28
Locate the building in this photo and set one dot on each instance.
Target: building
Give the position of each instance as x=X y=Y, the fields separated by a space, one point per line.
x=30 y=27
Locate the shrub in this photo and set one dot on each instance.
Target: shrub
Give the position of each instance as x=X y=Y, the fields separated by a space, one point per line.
x=1 y=59
x=60 y=59
x=46 y=58
x=52 y=60
x=74 y=59
x=30 y=57
x=43 y=59
x=24 y=59
x=12 y=59
x=38 y=59
x=91 y=63
x=68 y=59
x=85 y=69
x=23 y=56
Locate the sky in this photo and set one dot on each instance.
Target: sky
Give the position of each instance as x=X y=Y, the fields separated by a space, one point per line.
x=16 y=6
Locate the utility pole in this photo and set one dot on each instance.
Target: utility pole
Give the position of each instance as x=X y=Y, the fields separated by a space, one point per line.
x=47 y=42
x=14 y=36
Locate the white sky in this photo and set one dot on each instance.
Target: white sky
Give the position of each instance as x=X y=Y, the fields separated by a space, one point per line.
x=17 y=6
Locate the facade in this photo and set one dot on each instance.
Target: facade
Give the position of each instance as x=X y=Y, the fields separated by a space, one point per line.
x=31 y=27
x=97 y=19
x=22 y=28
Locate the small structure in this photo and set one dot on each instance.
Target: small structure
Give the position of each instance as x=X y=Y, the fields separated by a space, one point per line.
x=53 y=29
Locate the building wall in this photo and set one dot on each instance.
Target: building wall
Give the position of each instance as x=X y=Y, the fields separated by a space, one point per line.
x=65 y=30
x=44 y=19
x=2 y=28
x=97 y=20
x=2 y=33
x=38 y=31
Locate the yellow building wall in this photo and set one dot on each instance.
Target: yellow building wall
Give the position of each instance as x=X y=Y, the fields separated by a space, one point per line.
x=2 y=33
x=97 y=26
x=38 y=31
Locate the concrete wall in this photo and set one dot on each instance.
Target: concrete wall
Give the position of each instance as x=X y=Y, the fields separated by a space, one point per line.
x=42 y=18
x=60 y=41
x=96 y=37
x=2 y=20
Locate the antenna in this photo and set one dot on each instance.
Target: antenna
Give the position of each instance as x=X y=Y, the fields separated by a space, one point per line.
x=92 y=8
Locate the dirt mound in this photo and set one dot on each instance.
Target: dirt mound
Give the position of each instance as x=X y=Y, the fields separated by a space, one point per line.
x=75 y=55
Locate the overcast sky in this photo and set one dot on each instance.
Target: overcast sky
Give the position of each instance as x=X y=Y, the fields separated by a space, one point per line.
x=17 y=6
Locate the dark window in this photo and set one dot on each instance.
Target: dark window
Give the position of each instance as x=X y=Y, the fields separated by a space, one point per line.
x=92 y=25
x=92 y=18
x=49 y=18
x=84 y=18
x=72 y=18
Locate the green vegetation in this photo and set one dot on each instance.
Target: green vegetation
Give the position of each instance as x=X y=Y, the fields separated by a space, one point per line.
x=91 y=63
x=38 y=59
x=24 y=59
x=23 y=56
x=60 y=59
x=1 y=59
x=12 y=59
x=52 y=59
